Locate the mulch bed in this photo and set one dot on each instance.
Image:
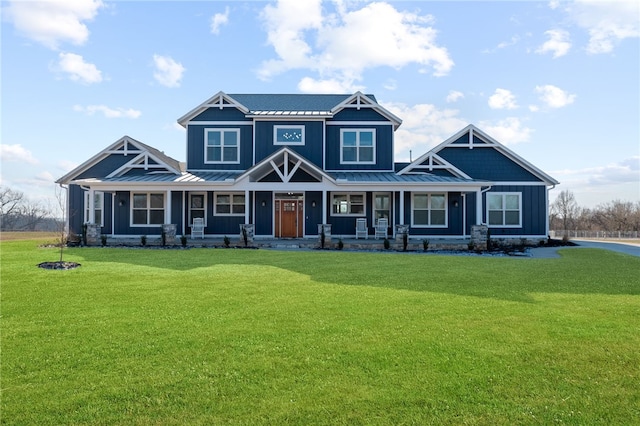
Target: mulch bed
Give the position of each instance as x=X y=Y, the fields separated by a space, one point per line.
x=58 y=265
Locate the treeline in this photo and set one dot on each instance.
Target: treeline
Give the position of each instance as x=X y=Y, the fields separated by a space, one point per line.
x=613 y=216
x=19 y=213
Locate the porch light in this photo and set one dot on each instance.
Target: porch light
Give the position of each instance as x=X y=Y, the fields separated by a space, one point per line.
x=121 y=203
x=313 y=203
x=264 y=203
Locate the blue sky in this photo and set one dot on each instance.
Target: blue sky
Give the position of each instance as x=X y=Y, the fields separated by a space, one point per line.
x=557 y=82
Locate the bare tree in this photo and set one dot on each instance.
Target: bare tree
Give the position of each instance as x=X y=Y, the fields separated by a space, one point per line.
x=33 y=213
x=565 y=208
x=62 y=226
x=10 y=207
x=617 y=216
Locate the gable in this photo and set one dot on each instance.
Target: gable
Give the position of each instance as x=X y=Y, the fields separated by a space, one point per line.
x=479 y=156
x=120 y=158
x=284 y=165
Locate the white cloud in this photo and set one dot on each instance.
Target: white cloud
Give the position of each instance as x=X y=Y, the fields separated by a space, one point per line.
x=423 y=127
x=53 y=22
x=502 y=45
x=454 y=96
x=509 y=131
x=218 y=20
x=108 y=112
x=554 y=97
x=16 y=153
x=77 y=69
x=607 y=22
x=502 y=99
x=342 y=45
x=558 y=43
x=311 y=85
x=168 y=72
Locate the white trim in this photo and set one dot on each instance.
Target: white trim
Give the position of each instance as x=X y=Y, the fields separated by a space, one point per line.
x=288 y=126
x=90 y=208
x=220 y=123
x=363 y=101
x=429 y=209
x=216 y=101
x=222 y=130
x=349 y=204
x=504 y=209
x=190 y=208
x=148 y=208
x=231 y=195
x=359 y=123
x=357 y=147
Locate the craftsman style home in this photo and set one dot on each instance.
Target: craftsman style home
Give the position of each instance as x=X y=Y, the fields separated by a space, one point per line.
x=285 y=164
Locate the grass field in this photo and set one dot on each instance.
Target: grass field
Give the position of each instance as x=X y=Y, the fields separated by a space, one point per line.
x=215 y=336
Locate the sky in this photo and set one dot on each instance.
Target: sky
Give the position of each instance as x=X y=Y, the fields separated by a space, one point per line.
x=557 y=82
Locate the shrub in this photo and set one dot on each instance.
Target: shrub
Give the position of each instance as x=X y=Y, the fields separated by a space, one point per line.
x=405 y=241
x=245 y=237
x=425 y=244
x=84 y=234
x=143 y=240
x=340 y=244
x=227 y=241
x=103 y=240
x=163 y=238
x=386 y=244
x=323 y=238
x=183 y=240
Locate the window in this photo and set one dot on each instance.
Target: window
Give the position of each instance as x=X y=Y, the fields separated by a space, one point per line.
x=222 y=146
x=230 y=204
x=288 y=135
x=504 y=209
x=197 y=207
x=98 y=207
x=357 y=146
x=348 y=204
x=147 y=209
x=381 y=206
x=429 y=210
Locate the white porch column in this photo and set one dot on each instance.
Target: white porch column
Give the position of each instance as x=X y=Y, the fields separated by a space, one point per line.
x=167 y=211
x=92 y=206
x=324 y=206
x=479 y=207
x=401 y=221
x=246 y=204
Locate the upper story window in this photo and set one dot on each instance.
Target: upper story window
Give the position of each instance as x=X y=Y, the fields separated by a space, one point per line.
x=288 y=135
x=347 y=204
x=429 y=210
x=147 y=208
x=98 y=208
x=357 y=146
x=504 y=209
x=222 y=146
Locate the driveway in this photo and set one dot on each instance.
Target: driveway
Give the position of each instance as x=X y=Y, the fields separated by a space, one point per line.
x=550 y=252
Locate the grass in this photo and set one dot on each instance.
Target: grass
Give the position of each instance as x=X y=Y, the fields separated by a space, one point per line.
x=215 y=336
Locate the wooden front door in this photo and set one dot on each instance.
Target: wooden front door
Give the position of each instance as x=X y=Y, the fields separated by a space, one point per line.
x=288 y=218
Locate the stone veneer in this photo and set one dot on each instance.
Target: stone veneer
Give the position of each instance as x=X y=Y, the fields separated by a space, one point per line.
x=94 y=233
x=480 y=237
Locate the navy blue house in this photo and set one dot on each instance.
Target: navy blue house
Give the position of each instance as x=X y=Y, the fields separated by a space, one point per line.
x=287 y=163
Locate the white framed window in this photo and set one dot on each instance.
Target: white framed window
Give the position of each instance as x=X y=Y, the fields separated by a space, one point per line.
x=98 y=206
x=288 y=135
x=347 y=204
x=198 y=206
x=357 y=146
x=147 y=208
x=504 y=209
x=381 y=206
x=429 y=210
x=229 y=204
x=222 y=146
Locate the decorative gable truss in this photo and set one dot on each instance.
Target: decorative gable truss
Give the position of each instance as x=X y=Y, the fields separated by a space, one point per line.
x=430 y=162
x=286 y=165
x=359 y=100
x=143 y=158
x=220 y=100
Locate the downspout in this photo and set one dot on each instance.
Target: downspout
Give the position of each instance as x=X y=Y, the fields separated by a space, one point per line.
x=113 y=214
x=547 y=215
x=479 y=205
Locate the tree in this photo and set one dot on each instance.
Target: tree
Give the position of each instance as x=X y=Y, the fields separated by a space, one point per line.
x=565 y=208
x=32 y=213
x=10 y=207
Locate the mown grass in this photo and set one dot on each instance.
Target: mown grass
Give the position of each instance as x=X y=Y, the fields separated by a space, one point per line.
x=215 y=336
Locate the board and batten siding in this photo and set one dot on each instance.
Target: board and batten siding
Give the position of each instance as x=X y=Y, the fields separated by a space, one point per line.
x=311 y=150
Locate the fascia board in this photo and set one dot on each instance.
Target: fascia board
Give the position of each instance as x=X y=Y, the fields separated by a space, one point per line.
x=207 y=104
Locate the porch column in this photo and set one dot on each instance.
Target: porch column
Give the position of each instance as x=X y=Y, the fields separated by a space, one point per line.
x=167 y=211
x=401 y=221
x=92 y=206
x=246 y=206
x=479 y=207
x=324 y=206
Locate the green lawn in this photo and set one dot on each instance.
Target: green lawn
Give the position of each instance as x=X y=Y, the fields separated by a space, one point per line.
x=215 y=336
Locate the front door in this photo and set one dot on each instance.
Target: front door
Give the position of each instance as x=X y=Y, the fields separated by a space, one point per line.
x=289 y=218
